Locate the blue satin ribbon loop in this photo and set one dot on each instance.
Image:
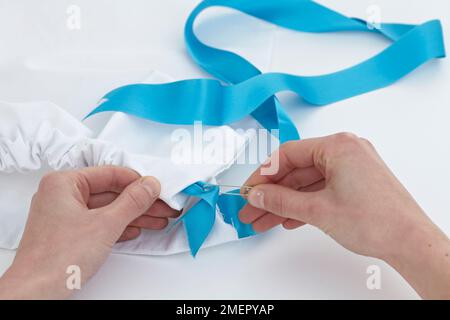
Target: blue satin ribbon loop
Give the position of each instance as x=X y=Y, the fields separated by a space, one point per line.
x=200 y=218
x=242 y=89
x=246 y=91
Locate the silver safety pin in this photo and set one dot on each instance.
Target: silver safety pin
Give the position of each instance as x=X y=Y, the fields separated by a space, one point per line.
x=245 y=189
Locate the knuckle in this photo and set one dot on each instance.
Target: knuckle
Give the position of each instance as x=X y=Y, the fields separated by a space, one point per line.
x=136 y=200
x=345 y=142
x=288 y=144
x=346 y=137
x=153 y=185
x=139 y=198
x=367 y=143
x=49 y=178
x=51 y=181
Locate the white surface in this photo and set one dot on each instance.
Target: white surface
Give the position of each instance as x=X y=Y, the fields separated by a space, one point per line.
x=40 y=59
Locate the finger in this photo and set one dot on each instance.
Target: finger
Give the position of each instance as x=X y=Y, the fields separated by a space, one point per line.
x=249 y=214
x=266 y=222
x=129 y=233
x=162 y=210
x=301 y=177
x=151 y=223
x=158 y=209
x=288 y=203
x=107 y=178
x=101 y=199
x=134 y=201
x=291 y=155
x=316 y=186
x=290 y=224
x=252 y=215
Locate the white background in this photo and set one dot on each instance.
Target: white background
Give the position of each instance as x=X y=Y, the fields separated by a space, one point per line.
x=122 y=41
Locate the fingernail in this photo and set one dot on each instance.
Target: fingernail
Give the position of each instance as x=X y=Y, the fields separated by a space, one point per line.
x=151 y=185
x=256 y=198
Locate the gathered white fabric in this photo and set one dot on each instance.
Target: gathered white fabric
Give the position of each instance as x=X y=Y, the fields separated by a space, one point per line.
x=39 y=134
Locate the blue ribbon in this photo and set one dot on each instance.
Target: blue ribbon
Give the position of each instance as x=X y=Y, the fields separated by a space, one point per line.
x=243 y=90
x=199 y=220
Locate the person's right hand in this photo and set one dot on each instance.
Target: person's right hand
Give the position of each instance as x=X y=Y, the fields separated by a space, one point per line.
x=341 y=185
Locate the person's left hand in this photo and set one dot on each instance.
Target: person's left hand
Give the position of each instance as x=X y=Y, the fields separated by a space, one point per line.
x=75 y=219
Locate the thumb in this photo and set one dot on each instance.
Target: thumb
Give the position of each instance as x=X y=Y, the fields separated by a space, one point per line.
x=134 y=201
x=289 y=203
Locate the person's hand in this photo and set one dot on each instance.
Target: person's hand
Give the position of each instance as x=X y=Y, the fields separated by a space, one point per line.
x=75 y=219
x=340 y=185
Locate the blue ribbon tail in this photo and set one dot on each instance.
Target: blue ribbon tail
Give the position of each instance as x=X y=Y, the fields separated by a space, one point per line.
x=229 y=206
x=199 y=220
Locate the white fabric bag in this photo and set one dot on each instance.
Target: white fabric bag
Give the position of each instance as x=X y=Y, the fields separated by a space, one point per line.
x=39 y=134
